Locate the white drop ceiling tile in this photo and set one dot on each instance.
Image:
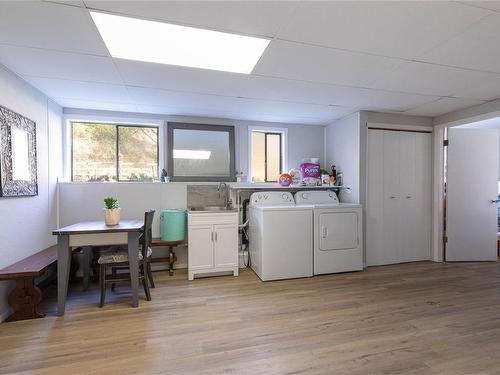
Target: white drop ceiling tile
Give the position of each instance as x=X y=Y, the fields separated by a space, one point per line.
x=209 y=103
x=75 y=3
x=170 y=77
x=397 y=29
x=97 y=105
x=487 y=91
x=241 y=115
x=262 y=18
x=318 y=64
x=259 y=87
x=492 y=5
x=442 y=106
x=430 y=79
x=60 y=88
x=476 y=48
x=308 y=92
x=53 y=64
x=49 y=25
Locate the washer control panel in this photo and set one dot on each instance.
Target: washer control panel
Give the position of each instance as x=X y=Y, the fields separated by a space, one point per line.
x=272 y=198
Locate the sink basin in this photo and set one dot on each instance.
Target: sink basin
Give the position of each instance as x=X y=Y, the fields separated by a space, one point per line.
x=212 y=208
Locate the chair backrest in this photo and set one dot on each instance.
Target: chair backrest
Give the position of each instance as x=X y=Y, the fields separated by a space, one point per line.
x=147 y=234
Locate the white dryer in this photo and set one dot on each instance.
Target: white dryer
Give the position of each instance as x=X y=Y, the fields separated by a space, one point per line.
x=338 y=234
x=280 y=236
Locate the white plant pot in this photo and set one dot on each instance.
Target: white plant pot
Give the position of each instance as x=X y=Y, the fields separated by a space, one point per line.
x=111 y=216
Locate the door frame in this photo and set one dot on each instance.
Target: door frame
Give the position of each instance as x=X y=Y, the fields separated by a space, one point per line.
x=437 y=234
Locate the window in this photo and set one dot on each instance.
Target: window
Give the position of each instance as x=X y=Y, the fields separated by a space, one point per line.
x=111 y=152
x=199 y=152
x=267 y=156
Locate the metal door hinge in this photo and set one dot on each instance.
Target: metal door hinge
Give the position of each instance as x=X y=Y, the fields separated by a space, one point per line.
x=445 y=239
x=445 y=142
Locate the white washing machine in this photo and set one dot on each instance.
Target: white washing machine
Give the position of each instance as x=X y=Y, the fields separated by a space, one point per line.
x=338 y=232
x=280 y=236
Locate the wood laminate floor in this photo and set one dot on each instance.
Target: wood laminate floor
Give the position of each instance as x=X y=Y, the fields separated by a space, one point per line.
x=420 y=318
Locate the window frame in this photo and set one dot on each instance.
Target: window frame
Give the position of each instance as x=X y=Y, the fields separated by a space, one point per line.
x=283 y=148
x=67 y=159
x=266 y=133
x=171 y=126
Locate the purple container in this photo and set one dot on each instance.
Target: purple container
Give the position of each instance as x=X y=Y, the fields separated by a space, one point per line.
x=310 y=170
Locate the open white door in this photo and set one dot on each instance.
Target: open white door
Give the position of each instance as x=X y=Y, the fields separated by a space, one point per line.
x=471 y=208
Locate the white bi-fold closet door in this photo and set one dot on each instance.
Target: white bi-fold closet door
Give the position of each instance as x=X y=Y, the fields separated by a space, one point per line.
x=398 y=209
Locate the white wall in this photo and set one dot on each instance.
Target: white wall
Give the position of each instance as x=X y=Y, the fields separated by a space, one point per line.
x=304 y=141
x=135 y=198
x=342 y=149
x=26 y=222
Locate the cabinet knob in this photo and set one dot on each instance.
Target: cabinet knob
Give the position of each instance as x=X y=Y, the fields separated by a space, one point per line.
x=393 y=197
x=408 y=197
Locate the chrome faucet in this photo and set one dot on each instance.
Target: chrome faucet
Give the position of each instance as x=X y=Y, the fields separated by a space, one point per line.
x=222 y=189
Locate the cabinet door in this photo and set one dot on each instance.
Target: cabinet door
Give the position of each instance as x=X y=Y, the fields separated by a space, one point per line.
x=226 y=245
x=200 y=247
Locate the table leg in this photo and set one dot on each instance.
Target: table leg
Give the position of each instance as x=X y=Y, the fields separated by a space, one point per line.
x=87 y=257
x=63 y=265
x=171 y=260
x=133 y=259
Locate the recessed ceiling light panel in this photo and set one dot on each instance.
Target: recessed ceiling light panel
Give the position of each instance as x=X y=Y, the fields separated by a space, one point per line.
x=158 y=42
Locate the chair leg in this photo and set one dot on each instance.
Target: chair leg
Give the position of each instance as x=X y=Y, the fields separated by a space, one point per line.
x=145 y=284
x=102 y=283
x=113 y=273
x=150 y=275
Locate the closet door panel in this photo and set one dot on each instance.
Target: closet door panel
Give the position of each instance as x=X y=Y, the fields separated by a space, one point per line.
x=423 y=189
x=392 y=198
x=375 y=200
x=407 y=231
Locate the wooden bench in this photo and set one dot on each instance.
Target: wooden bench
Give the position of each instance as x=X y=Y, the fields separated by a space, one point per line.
x=26 y=296
x=172 y=258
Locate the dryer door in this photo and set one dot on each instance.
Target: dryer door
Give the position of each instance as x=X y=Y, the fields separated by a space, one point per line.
x=338 y=230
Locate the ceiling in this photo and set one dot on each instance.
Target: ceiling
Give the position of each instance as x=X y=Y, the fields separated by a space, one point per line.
x=489 y=123
x=325 y=59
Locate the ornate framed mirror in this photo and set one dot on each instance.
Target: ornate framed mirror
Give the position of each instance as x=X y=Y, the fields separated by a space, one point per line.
x=18 y=170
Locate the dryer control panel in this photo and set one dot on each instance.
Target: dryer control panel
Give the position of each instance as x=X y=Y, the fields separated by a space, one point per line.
x=316 y=197
x=272 y=198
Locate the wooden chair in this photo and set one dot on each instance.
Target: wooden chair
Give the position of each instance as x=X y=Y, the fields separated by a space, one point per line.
x=117 y=259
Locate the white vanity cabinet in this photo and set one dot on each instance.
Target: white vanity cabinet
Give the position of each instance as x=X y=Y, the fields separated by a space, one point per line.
x=212 y=243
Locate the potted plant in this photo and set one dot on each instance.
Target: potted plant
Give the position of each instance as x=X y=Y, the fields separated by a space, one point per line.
x=111 y=211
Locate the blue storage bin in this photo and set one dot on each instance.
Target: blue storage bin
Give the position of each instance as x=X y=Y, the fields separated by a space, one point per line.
x=173 y=225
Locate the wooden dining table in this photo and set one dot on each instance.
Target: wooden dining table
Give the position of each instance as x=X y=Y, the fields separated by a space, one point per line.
x=96 y=233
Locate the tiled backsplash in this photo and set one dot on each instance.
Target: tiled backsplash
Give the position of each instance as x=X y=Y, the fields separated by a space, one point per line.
x=203 y=195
